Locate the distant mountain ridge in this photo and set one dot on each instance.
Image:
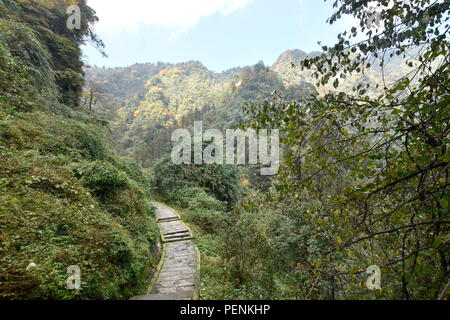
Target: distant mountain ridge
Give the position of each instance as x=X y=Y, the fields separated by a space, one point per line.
x=125 y=82
x=154 y=99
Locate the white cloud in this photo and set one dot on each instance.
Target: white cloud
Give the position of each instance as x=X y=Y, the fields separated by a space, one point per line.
x=174 y=14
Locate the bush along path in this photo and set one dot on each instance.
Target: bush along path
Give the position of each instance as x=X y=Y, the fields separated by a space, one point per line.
x=178 y=273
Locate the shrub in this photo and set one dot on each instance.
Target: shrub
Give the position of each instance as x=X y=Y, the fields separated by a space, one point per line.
x=134 y=171
x=92 y=147
x=102 y=178
x=248 y=252
x=202 y=210
x=211 y=222
x=221 y=181
x=197 y=199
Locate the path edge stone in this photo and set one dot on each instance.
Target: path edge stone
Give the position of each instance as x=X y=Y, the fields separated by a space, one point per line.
x=158 y=269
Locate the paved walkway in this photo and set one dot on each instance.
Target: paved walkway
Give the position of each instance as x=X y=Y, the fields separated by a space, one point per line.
x=178 y=273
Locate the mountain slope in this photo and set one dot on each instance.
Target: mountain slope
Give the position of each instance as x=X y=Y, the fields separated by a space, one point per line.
x=180 y=94
x=65 y=198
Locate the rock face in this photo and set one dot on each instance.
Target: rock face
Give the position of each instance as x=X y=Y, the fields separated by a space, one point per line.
x=178 y=274
x=294 y=56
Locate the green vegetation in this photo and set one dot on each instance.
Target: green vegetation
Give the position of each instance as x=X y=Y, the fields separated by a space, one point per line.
x=364 y=178
x=367 y=170
x=175 y=97
x=65 y=198
x=219 y=180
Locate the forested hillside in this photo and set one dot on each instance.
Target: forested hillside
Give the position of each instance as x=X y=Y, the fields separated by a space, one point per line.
x=65 y=197
x=123 y=83
x=162 y=97
x=364 y=177
x=175 y=96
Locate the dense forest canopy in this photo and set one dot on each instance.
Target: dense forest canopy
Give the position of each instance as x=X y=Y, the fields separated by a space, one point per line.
x=161 y=97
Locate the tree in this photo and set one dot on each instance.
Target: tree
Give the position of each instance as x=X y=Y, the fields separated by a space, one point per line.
x=221 y=181
x=94 y=93
x=372 y=164
x=47 y=20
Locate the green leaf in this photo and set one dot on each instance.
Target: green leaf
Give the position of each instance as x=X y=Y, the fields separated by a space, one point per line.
x=336 y=83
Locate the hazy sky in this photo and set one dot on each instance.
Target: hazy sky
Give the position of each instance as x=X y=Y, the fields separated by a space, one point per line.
x=220 y=33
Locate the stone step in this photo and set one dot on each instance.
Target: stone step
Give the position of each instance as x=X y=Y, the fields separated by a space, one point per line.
x=179 y=235
x=162 y=220
x=176 y=232
x=183 y=295
x=170 y=240
x=184 y=235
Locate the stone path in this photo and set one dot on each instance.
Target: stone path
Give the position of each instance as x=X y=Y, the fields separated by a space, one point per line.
x=178 y=273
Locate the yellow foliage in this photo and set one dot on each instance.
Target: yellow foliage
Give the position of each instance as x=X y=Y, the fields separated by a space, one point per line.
x=170 y=70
